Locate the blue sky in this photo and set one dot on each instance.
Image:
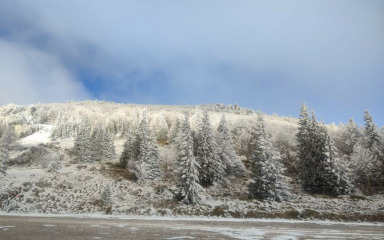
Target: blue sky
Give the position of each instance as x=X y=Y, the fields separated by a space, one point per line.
x=268 y=55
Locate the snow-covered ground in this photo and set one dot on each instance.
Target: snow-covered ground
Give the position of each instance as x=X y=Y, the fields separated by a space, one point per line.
x=77 y=188
x=40 y=137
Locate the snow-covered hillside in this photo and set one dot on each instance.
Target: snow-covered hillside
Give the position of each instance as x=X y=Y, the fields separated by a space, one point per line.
x=44 y=174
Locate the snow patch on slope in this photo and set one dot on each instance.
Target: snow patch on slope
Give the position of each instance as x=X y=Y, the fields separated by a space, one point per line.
x=42 y=136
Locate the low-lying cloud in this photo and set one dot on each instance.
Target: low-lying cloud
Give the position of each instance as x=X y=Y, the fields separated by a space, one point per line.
x=29 y=76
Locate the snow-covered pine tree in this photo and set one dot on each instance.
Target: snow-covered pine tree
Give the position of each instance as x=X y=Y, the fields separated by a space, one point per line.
x=365 y=166
x=148 y=157
x=129 y=152
x=268 y=180
x=3 y=126
x=97 y=143
x=350 y=137
x=106 y=196
x=71 y=127
x=63 y=127
x=82 y=146
x=108 y=148
x=162 y=133
x=319 y=164
x=4 y=155
x=8 y=137
x=228 y=155
x=174 y=131
x=371 y=133
x=212 y=168
x=319 y=169
x=337 y=171
x=371 y=141
x=304 y=147
x=188 y=174
x=57 y=127
x=119 y=126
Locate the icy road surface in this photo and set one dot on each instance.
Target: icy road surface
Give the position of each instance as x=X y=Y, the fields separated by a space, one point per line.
x=73 y=228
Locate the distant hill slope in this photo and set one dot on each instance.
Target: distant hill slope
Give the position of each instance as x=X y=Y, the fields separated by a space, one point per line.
x=44 y=177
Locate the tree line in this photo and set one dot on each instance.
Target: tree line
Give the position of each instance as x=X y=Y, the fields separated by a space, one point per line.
x=206 y=156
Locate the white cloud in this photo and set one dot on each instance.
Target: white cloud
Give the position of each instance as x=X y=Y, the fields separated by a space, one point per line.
x=28 y=75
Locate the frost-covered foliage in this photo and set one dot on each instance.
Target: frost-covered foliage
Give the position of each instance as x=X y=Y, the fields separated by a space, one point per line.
x=232 y=108
x=207 y=153
x=242 y=137
x=55 y=165
x=45 y=158
x=319 y=170
x=3 y=126
x=188 y=186
x=310 y=154
x=140 y=154
x=267 y=172
x=96 y=145
x=106 y=196
x=338 y=173
x=349 y=137
x=66 y=117
x=9 y=135
x=108 y=147
x=366 y=167
x=228 y=155
x=367 y=156
x=286 y=146
x=148 y=153
x=64 y=127
x=82 y=147
x=12 y=114
x=6 y=139
x=371 y=133
x=374 y=144
x=4 y=155
x=130 y=151
x=174 y=131
x=162 y=130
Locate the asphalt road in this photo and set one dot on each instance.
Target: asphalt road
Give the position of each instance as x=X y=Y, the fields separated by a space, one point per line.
x=83 y=228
